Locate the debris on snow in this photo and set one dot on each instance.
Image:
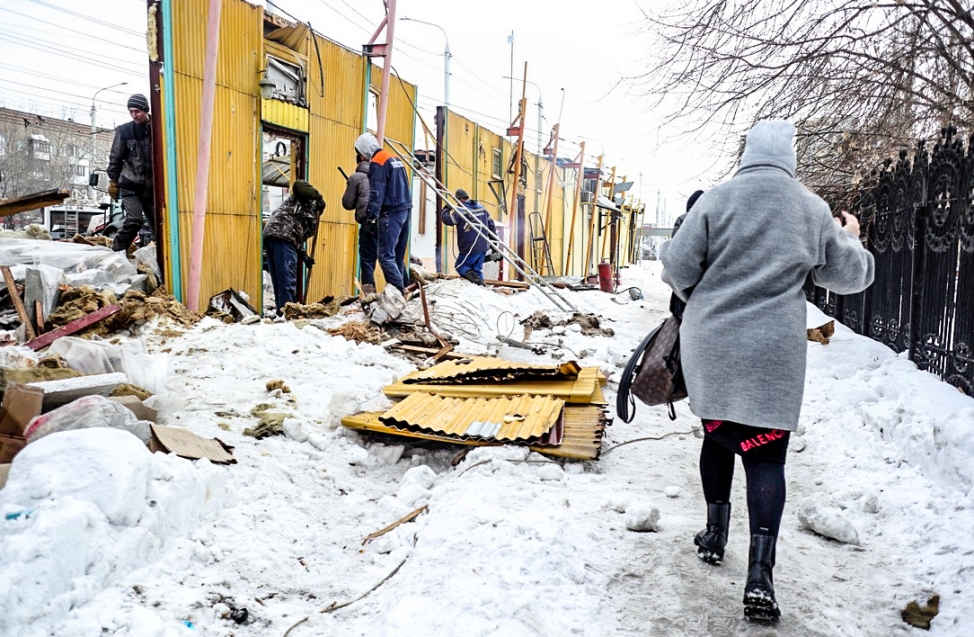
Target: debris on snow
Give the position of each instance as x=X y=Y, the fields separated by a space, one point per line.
x=642 y=517
x=827 y=520
x=921 y=616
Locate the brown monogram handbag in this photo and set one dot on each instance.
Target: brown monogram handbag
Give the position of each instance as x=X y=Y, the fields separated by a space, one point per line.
x=653 y=374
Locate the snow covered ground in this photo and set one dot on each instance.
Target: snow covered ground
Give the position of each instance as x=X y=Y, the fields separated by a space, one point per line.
x=100 y=537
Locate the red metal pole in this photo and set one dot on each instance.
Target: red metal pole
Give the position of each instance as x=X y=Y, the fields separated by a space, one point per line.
x=386 y=70
x=203 y=156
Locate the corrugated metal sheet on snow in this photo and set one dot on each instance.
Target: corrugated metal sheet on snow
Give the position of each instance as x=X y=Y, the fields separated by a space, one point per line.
x=480 y=368
x=584 y=428
x=587 y=388
x=507 y=419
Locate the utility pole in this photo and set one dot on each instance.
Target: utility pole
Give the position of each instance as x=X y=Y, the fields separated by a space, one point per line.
x=579 y=181
x=516 y=212
x=592 y=223
x=446 y=60
x=94 y=134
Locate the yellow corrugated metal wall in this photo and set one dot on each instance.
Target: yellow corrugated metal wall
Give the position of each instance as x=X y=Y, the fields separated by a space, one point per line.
x=232 y=239
x=332 y=121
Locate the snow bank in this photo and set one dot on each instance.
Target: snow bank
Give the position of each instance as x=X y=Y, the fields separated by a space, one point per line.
x=927 y=420
x=83 y=509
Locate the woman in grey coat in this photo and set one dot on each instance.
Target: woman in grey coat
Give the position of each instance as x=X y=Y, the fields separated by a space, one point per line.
x=744 y=254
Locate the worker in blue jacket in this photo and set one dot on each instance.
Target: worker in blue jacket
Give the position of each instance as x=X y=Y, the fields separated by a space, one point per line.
x=389 y=208
x=472 y=243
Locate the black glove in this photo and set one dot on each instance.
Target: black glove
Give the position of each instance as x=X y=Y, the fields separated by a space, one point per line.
x=493 y=255
x=304 y=258
x=370 y=226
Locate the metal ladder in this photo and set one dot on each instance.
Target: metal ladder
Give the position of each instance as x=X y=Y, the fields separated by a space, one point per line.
x=519 y=264
x=540 y=251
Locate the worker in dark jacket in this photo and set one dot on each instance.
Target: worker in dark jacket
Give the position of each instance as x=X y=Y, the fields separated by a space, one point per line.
x=293 y=223
x=356 y=198
x=474 y=227
x=389 y=208
x=130 y=172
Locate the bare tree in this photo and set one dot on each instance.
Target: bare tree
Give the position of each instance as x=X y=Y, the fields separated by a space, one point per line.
x=859 y=78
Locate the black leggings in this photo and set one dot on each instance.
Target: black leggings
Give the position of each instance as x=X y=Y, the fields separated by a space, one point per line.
x=763 y=454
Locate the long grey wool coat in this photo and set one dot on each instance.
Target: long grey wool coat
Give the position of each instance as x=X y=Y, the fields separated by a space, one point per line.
x=744 y=253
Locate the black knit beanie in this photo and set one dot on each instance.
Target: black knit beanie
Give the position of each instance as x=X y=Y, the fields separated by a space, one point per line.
x=693 y=199
x=304 y=191
x=138 y=101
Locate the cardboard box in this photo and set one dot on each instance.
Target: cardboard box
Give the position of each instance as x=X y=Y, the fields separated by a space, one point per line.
x=10 y=446
x=137 y=407
x=20 y=404
x=185 y=444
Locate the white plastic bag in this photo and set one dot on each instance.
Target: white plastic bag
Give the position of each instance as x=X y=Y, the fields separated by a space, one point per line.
x=88 y=411
x=86 y=356
x=148 y=371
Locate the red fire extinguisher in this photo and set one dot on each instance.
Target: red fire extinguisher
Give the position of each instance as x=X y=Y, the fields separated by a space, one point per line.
x=605 y=276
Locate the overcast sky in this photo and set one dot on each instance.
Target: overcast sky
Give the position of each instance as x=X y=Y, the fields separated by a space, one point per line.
x=55 y=55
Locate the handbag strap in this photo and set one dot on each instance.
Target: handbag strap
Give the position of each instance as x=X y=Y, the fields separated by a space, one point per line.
x=625 y=403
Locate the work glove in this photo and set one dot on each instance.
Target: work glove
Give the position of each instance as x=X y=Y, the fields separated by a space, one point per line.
x=319 y=204
x=493 y=255
x=113 y=190
x=308 y=261
x=371 y=225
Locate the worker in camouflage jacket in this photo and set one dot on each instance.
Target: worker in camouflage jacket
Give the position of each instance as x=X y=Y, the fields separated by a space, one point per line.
x=290 y=226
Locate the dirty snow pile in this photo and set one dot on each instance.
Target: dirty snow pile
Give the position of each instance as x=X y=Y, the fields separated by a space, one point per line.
x=100 y=537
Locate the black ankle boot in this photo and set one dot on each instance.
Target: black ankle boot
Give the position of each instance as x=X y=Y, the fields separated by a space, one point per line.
x=759 y=601
x=712 y=540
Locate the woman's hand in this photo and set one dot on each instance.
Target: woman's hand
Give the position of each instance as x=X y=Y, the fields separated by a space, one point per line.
x=849 y=223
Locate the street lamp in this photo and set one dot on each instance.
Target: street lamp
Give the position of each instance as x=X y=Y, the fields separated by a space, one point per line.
x=540 y=108
x=94 y=131
x=446 y=60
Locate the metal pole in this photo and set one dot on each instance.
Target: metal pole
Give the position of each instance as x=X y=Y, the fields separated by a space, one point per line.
x=203 y=156
x=94 y=133
x=386 y=70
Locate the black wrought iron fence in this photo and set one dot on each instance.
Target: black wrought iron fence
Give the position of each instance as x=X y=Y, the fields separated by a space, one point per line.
x=919 y=223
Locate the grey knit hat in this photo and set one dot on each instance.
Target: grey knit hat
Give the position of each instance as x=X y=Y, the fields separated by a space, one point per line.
x=138 y=101
x=770 y=144
x=462 y=194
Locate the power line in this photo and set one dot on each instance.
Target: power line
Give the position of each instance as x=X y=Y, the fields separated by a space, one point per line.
x=51 y=48
x=32 y=73
x=104 y=23
x=68 y=29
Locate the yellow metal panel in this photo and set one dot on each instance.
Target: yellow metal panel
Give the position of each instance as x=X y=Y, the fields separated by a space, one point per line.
x=478 y=368
x=290 y=116
x=509 y=419
x=332 y=121
x=584 y=427
x=231 y=256
x=584 y=389
x=241 y=37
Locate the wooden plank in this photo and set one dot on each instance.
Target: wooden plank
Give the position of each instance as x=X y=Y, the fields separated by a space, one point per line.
x=517 y=285
x=72 y=327
x=39 y=315
x=32 y=202
x=428 y=351
x=8 y=277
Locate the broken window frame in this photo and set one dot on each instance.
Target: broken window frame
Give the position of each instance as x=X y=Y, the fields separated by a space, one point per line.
x=281 y=72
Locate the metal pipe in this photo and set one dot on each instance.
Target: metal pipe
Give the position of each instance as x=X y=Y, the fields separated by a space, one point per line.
x=203 y=154
x=386 y=70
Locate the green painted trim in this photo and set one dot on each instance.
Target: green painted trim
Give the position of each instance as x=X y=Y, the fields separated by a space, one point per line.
x=172 y=192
